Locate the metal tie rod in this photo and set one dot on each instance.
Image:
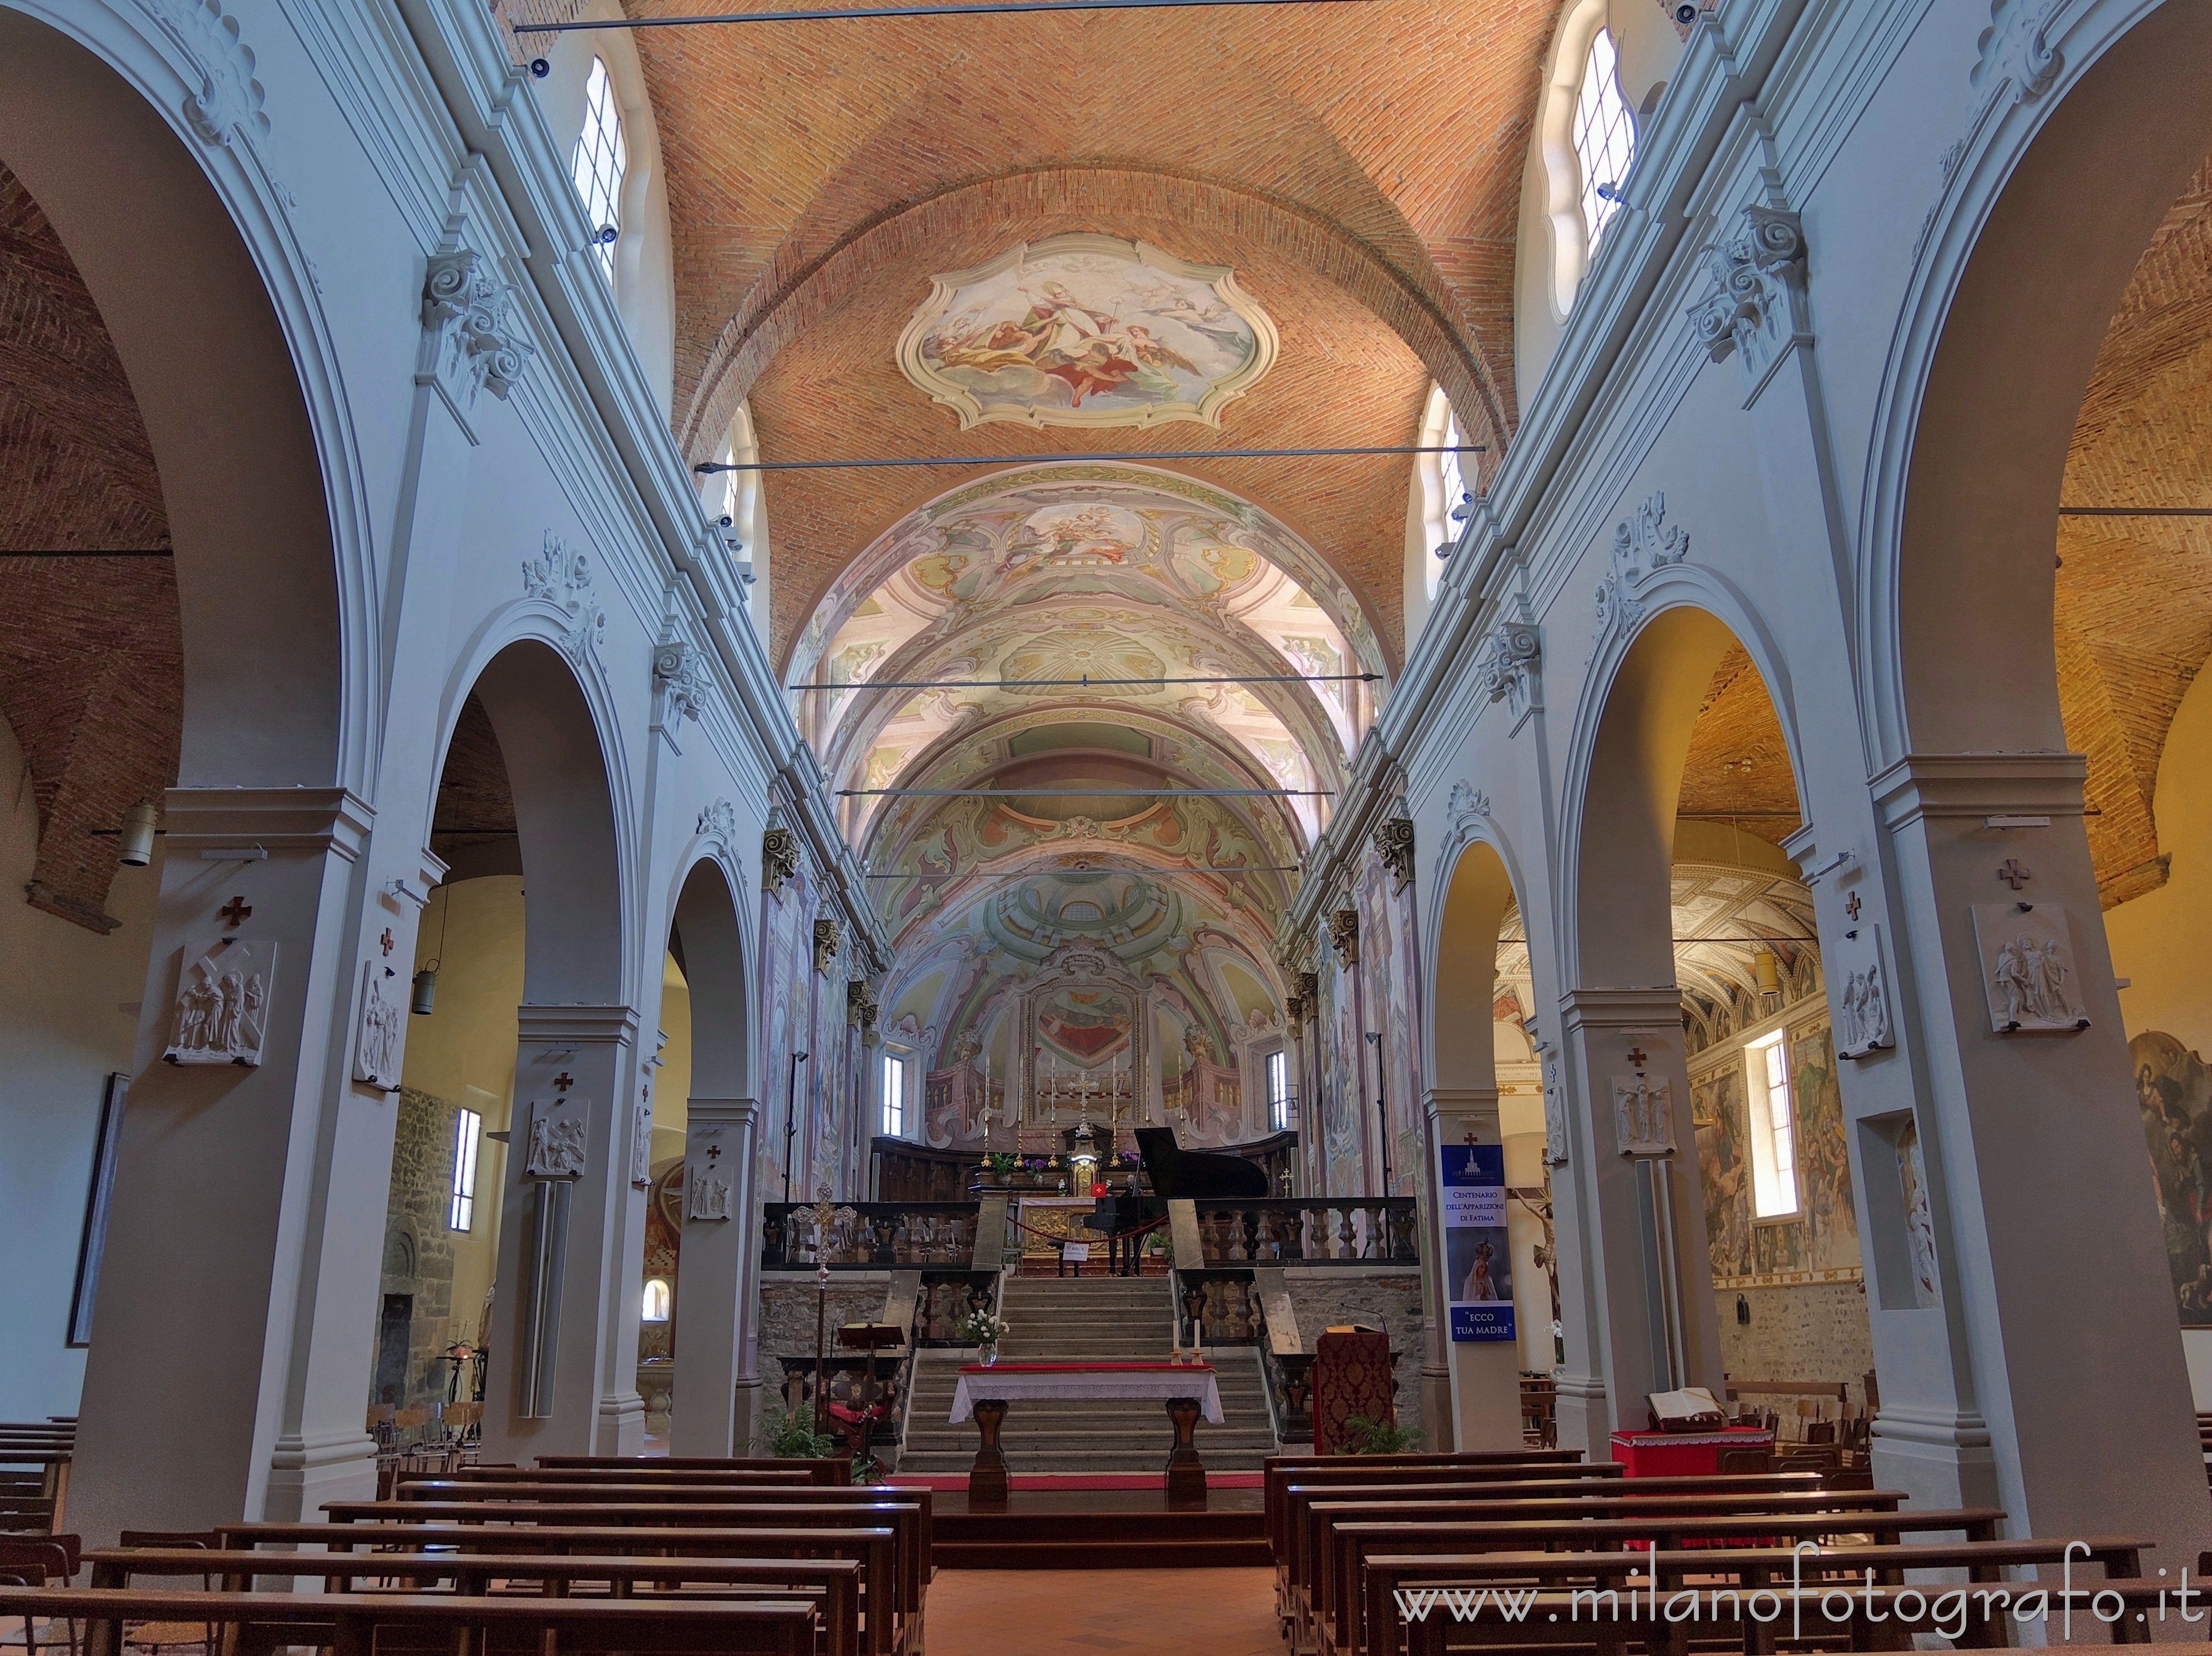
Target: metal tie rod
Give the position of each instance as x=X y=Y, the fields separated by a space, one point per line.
x=1142 y=871
x=1087 y=682
x=841 y=14
x=2134 y=511
x=1083 y=793
x=708 y=468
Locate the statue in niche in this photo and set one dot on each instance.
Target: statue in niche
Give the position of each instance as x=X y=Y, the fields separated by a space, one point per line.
x=223 y=1005
x=1643 y=1114
x=556 y=1145
x=641 y=1138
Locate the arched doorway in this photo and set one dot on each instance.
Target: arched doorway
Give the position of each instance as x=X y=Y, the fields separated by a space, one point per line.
x=2015 y=1117
x=256 y=508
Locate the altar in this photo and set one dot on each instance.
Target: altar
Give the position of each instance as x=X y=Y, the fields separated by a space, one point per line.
x=1051 y=1220
x=1188 y=1389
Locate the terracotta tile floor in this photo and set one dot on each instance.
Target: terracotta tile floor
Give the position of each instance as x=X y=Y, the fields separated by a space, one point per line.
x=1099 y=1612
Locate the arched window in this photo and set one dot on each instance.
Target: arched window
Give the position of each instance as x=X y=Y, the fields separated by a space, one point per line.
x=1604 y=138
x=1443 y=483
x=658 y=1299
x=736 y=496
x=601 y=159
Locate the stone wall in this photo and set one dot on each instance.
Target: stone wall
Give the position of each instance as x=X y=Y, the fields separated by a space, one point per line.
x=1387 y=1298
x=789 y=1317
x=418 y=1246
x=1803 y=1332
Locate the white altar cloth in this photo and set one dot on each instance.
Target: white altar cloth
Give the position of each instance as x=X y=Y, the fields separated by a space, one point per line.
x=1020 y=1382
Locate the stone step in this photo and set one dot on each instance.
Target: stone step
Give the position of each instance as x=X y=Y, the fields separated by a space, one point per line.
x=1150 y=1460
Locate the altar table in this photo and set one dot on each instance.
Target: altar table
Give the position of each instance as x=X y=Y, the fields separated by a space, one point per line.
x=1685 y=1454
x=1188 y=1390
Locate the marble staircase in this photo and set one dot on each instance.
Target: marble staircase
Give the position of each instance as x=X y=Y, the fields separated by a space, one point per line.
x=1087 y=1320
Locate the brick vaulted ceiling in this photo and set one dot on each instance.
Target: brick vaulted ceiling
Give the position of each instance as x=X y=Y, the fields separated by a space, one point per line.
x=1359 y=165
x=91 y=660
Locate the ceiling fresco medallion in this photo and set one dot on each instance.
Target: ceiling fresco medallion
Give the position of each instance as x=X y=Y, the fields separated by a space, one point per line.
x=1087 y=330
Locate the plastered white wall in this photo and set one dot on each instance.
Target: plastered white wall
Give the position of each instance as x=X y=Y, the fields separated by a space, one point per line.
x=69 y=1016
x=2157 y=940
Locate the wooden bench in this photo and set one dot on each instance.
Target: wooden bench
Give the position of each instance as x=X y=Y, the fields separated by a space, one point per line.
x=830 y=1469
x=910 y=1512
x=1299 y=1497
x=1330 y=1607
x=1384 y=1575
x=835 y=1582
x=1317 y=1571
x=352 y=1622
x=1877 y=1617
x=821 y=1473
x=1282 y=1473
x=875 y=1548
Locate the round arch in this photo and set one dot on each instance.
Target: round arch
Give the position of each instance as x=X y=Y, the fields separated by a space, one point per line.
x=162 y=227
x=1625 y=761
x=1415 y=302
x=2096 y=121
x=707 y=937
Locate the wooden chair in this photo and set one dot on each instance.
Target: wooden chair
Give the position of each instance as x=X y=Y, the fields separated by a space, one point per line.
x=156 y=1635
x=35 y=1563
x=1745 y=1460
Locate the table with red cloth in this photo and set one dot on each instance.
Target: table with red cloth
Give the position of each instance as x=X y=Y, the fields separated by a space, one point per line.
x=1188 y=1390
x=1685 y=1454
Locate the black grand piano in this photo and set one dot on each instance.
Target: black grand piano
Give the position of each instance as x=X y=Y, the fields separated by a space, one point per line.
x=1171 y=1173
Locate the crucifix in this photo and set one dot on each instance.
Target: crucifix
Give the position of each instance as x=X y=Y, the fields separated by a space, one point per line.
x=233 y=913
x=386 y=940
x=1853 y=907
x=563 y=1081
x=2012 y=874
x=825 y=1210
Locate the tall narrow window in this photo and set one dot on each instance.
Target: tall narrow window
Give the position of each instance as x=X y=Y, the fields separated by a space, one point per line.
x=893 y=1096
x=1773 y=1129
x=463 y=1217
x=600 y=162
x=1278 y=1090
x=1451 y=475
x=1605 y=138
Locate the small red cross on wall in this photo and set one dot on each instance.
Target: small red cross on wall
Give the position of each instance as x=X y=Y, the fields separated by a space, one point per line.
x=1635 y=1057
x=564 y=1080
x=1853 y=907
x=386 y=940
x=233 y=913
x=2013 y=875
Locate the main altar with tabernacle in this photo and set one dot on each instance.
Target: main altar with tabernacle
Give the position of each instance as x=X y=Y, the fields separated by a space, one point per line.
x=1189 y=1391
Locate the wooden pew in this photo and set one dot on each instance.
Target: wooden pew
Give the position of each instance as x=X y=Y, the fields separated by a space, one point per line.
x=830 y=1469
x=1284 y=1471
x=440 y=1487
x=1328 y=1603
x=817 y=1473
x=835 y=1581
x=1874 y=1621
x=1299 y=1498
x=887 y=1625
x=1314 y=1576
x=1383 y=1575
x=909 y=1511
x=774 y=1628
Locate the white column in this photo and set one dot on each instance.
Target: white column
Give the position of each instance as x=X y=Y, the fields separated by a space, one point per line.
x=1480 y=1382
x=2051 y=1285
x=1635 y=1271
x=718 y=1281
x=228 y=1374
x=573 y=1326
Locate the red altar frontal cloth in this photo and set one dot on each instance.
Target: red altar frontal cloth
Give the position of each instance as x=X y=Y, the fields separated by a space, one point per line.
x=1350 y=1376
x=1684 y=1454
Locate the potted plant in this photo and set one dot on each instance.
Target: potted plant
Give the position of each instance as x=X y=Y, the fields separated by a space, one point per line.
x=1365 y=1436
x=998 y=1167
x=982 y=1328
x=789 y=1435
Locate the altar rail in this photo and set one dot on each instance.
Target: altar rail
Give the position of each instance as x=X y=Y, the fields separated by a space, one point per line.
x=871 y=1236
x=1345 y=1231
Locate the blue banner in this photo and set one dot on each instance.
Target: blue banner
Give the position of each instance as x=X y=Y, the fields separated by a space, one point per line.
x=1477 y=1252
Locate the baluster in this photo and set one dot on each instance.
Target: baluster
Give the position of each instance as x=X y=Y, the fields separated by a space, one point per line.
x=1346 y=1237
x=1251 y=1233
x=1271 y=1234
